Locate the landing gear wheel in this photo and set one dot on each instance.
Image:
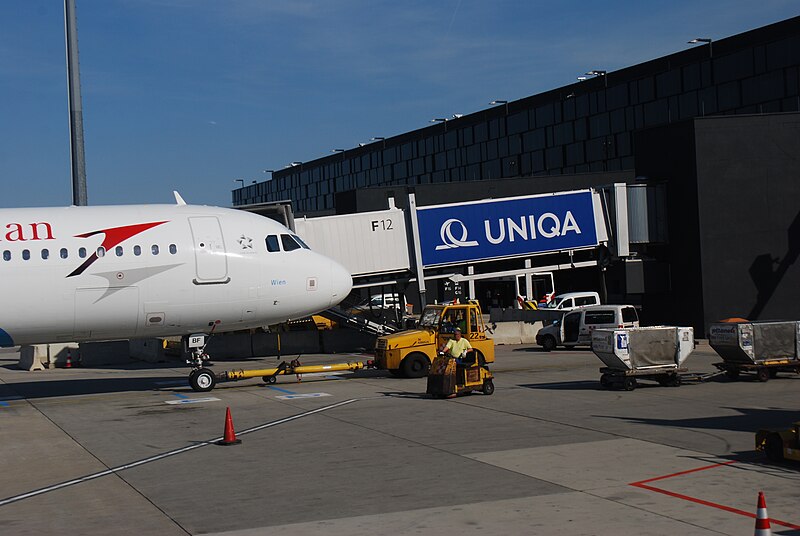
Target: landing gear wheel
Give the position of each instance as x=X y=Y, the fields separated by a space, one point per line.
x=415 y=366
x=202 y=380
x=269 y=379
x=548 y=343
x=629 y=384
x=762 y=374
x=732 y=374
x=773 y=448
x=488 y=387
x=605 y=381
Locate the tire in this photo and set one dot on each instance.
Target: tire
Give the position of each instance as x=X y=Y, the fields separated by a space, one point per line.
x=202 y=380
x=488 y=387
x=415 y=366
x=605 y=381
x=548 y=343
x=762 y=374
x=773 y=447
x=269 y=379
x=629 y=384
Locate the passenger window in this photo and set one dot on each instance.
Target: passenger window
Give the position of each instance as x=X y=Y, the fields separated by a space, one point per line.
x=173 y=249
x=272 y=243
x=154 y=249
x=629 y=314
x=6 y=255
x=566 y=304
x=289 y=243
x=26 y=254
x=585 y=300
x=45 y=254
x=82 y=253
x=600 y=317
x=137 y=250
x=64 y=253
x=118 y=251
x=101 y=251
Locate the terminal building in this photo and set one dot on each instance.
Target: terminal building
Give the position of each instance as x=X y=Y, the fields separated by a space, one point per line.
x=690 y=162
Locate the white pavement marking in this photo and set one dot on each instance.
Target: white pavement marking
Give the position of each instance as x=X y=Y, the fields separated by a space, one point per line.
x=192 y=400
x=157 y=457
x=304 y=395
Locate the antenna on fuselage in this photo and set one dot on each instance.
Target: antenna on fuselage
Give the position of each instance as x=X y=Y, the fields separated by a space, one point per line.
x=178 y=199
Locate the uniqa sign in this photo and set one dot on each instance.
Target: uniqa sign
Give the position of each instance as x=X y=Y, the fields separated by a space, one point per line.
x=506 y=227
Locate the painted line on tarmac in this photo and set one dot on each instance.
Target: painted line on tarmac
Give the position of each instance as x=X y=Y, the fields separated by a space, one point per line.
x=643 y=485
x=180 y=395
x=303 y=395
x=168 y=454
x=287 y=391
x=182 y=401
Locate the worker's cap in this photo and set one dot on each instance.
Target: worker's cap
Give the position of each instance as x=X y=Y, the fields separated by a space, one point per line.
x=457 y=330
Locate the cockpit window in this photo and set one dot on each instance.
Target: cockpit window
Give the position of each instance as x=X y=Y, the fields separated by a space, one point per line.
x=300 y=241
x=272 y=243
x=289 y=243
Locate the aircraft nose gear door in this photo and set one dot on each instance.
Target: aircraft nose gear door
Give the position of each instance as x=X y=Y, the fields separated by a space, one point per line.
x=211 y=263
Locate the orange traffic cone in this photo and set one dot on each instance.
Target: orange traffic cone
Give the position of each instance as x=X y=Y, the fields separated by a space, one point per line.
x=229 y=437
x=762 y=517
x=69 y=359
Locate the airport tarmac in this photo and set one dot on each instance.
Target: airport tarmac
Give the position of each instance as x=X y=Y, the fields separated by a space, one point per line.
x=130 y=449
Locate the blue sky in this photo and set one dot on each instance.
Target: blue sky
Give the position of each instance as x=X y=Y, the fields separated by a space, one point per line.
x=192 y=94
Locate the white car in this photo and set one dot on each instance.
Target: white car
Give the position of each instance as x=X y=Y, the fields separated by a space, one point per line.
x=575 y=328
x=572 y=300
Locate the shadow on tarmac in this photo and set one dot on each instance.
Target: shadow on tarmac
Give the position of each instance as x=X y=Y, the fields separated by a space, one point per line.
x=77 y=386
x=747 y=420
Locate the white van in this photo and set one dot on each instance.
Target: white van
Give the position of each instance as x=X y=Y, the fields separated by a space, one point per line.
x=382 y=301
x=572 y=300
x=575 y=328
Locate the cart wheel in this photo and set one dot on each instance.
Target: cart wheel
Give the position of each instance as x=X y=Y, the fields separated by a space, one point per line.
x=202 y=380
x=773 y=372
x=629 y=384
x=762 y=374
x=605 y=381
x=269 y=379
x=488 y=387
x=732 y=374
x=549 y=343
x=773 y=447
x=674 y=381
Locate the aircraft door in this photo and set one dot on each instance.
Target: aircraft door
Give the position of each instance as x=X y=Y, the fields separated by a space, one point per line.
x=211 y=262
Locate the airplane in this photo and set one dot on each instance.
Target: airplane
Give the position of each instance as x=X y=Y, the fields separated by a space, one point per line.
x=93 y=273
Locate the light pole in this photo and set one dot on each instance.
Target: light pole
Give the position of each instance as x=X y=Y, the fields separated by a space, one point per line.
x=697 y=40
x=77 y=160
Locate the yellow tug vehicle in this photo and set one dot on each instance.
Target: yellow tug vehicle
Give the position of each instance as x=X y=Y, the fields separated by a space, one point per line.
x=450 y=377
x=410 y=353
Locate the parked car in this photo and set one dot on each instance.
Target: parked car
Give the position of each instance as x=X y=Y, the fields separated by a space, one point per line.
x=575 y=327
x=381 y=301
x=572 y=300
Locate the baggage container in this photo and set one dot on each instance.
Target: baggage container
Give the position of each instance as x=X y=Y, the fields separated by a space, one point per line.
x=761 y=348
x=654 y=353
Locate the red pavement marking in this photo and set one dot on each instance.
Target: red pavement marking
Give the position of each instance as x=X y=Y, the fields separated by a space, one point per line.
x=643 y=484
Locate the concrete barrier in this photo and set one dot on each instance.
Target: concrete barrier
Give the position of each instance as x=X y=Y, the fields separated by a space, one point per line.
x=33 y=357
x=57 y=354
x=515 y=332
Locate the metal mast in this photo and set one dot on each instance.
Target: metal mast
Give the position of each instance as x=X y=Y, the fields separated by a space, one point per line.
x=79 y=196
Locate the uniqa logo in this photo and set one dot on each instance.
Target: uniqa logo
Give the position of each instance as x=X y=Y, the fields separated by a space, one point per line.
x=449 y=241
x=548 y=225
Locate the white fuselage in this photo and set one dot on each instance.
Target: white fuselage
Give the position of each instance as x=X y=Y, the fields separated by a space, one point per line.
x=95 y=273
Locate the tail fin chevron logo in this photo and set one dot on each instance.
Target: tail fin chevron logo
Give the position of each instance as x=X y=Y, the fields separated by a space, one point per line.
x=113 y=237
x=449 y=241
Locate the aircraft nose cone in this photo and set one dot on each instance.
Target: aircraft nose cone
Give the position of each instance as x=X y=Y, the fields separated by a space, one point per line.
x=341 y=283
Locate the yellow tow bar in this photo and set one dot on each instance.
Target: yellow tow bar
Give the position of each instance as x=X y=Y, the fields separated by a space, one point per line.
x=203 y=379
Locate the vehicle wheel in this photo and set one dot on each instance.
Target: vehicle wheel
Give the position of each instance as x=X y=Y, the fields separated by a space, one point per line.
x=605 y=381
x=202 y=380
x=629 y=384
x=732 y=374
x=762 y=374
x=488 y=387
x=415 y=366
x=773 y=447
x=773 y=372
x=548 y=343
x=269 y=379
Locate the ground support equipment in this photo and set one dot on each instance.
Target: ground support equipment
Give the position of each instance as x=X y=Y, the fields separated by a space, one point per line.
x=763 y=370
x=627 y=379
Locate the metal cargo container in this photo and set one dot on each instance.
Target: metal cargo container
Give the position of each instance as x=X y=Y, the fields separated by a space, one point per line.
x=665 y=347
x=752 y=343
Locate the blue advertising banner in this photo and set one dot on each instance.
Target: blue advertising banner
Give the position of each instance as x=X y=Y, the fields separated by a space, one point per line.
x=506 y=227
